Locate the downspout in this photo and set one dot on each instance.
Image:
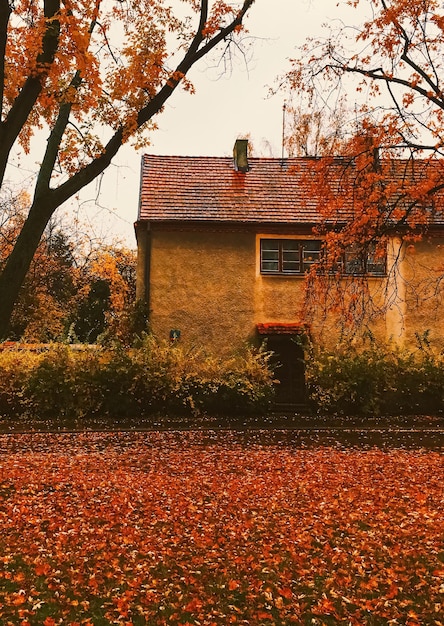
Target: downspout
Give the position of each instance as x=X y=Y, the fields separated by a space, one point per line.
x=143 y=237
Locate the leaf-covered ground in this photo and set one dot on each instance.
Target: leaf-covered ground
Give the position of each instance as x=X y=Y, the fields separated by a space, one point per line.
x=217 y=528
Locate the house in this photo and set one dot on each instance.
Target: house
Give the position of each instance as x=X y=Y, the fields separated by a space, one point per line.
x=224 y=246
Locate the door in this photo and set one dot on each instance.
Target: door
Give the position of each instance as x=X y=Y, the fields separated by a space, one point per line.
x=289 y=368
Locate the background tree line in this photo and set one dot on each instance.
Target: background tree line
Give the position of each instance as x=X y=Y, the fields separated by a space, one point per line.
x=76 y=290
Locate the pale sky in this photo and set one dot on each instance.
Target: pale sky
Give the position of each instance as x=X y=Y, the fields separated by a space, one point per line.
x=224 y=108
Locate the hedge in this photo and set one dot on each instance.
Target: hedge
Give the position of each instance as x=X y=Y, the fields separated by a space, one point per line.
x=376 y=379
x=63 y=382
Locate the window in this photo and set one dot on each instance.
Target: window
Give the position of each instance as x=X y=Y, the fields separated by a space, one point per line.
x=296 y=257
x=289 y=256
x=358 y=261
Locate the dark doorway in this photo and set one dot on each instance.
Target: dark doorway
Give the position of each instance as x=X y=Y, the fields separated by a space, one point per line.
x=289 y=368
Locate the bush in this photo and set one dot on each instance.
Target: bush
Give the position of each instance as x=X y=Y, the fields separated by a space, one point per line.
x=376 y=379
x=71 y=384
x=15 y=370
x=65 y=383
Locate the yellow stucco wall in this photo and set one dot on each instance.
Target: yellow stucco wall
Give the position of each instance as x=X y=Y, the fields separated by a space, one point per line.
x=202 y=283
x=422 y=269
x=208 y=285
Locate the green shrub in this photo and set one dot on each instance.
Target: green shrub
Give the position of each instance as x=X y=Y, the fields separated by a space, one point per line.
x=71 y=384
x=64 y=383
x=15 y=370
x=375 y=379
x=165 y=377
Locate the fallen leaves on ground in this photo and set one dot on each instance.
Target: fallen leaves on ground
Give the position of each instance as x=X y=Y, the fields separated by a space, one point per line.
x=194 y=528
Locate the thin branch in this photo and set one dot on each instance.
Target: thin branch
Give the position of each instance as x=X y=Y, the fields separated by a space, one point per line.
x=58 y=130
x=378 y=74
x=406 y=58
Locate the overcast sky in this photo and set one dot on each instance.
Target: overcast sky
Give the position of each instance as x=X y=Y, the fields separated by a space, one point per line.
x=225 y=106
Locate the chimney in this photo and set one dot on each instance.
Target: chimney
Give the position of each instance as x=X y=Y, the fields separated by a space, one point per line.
x=240 y=155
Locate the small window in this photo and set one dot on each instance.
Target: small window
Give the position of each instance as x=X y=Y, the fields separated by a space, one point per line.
x=289 y=256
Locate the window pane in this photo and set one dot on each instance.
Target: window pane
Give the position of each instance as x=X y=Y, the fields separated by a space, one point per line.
x=375 y=263
x=376 y=269
x=290 y=261
x=269 y=255
x=291 y=267
x=270 y=244
x=353 y=266
x=361 y=261
x=290 y=244
x=311 y=253
x=290 y=256
x=270 y=266
x=353 y=261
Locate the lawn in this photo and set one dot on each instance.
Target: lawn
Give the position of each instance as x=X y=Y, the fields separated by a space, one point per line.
x=217 y=528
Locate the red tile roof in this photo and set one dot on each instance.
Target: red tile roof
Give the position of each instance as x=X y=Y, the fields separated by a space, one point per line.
x=209 y=188
x=178 y=188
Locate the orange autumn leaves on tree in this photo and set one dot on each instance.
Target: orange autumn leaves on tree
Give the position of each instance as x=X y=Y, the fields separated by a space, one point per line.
x=118 y=267
x=391 y=66
x=168 y=528
x=391 y=60
x=108 y=61
x=372 y=203
x=386 y=178
x=92 y=75
x=115 y=267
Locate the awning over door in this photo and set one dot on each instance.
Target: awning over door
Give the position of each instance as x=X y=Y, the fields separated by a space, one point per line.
x=280 y=328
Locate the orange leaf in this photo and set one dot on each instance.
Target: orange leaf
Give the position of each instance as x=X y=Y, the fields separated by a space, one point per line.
x=19 y=599
x=41 y=569
x=286 y=593
x=392 y=592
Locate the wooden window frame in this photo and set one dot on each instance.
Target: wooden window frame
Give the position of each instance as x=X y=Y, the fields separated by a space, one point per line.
x=364 y=263
x=288 y=256
x=352 y=263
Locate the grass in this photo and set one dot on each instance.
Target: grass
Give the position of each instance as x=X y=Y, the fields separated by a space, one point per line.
x=216 y=528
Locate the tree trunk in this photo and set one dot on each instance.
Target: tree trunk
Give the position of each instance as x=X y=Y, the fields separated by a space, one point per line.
x=19 y=261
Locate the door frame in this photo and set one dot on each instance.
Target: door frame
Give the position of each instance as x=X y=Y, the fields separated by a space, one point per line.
x=287 y=341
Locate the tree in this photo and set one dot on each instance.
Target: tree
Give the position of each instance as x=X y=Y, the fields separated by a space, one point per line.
x=93 y=75
x=76 y=288
x=107 y=302
x=314 y=131
x=50 y=286
x=397 y=58
x=389 y=176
